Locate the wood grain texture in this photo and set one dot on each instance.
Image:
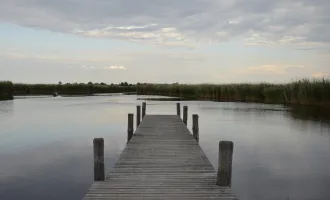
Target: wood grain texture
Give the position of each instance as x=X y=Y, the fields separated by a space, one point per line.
x=144 y=109
x=161 y=161
x=98 y=149
x=130 y=125
x=138 y=115
x=225 y=163
x=195 y=127
x=178 y=109
x=185 y=115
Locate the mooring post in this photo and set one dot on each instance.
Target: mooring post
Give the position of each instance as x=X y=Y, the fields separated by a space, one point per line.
x=178 y=109
x=225 y=163
x=130 y=126
x=98 y=148
x=185 y=114
x=138 y=115
x=144 y=107
x=195 y=127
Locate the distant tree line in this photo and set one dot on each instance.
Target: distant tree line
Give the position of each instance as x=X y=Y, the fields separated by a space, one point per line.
x=101 y=83
x=72 y=88
x=6 y=90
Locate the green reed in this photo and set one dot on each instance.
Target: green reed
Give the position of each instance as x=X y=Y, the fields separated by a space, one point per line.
x=6 y=90
x=303 y=92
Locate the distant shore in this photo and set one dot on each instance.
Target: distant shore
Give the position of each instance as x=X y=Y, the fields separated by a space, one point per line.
x=6 y=90
x=301 y=92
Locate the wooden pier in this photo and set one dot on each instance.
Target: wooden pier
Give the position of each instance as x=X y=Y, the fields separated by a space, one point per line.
x=163 y=160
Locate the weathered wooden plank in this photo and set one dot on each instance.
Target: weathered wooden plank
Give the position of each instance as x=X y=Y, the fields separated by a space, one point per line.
x=185 y=115
x=130 y=125
x=225 y=163
x=161 y=161
x=144 y=108
x=98 y=147
x=138 y=115
x=157 y=197
x=178 y=109
x=195 y=127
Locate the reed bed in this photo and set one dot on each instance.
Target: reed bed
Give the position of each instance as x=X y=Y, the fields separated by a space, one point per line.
x=302 y=92
x=6 y=90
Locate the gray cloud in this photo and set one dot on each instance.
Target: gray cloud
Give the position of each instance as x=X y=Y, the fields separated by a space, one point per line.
x=179 y=23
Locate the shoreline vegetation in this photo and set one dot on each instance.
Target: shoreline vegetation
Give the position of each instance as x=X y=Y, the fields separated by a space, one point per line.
x=71 y=88
x=302 y=92
x=6 y=90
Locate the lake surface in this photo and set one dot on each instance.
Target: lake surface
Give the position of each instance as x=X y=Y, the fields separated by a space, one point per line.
x=46 y=148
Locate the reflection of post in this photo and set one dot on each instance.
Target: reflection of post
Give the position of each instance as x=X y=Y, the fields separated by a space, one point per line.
x=195 y=127
x=130 y=127
x=138 y=115
x=225 y=163
x=98 y=146
x=144 y=107
x=178 y=109
x=185 y=115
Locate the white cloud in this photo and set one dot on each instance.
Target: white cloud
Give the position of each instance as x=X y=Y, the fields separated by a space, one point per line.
x=115 y=67
x=167 y=36
x=87 y=67
x=179 y=23
x=132 y=27
x=257 y=40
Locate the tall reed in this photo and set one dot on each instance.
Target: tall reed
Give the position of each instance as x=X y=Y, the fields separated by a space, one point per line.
x=303 y=92
x=6 y=90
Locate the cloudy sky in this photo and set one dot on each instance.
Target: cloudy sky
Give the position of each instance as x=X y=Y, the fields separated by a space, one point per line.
x=187 y=41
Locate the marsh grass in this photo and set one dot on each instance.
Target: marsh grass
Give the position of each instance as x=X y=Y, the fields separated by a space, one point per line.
x=6 y=90
x=302 y=92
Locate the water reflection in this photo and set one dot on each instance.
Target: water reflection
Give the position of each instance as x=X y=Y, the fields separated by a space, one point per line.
x=313 y=113
x=6 y=108
x=59 y=170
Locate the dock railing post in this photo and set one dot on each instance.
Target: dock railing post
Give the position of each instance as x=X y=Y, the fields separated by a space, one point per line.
x=178 y=109
x=185 y=114
x=130 y=128
x=98 y=148
x=144 y=107
x=195 y=127
x=138 y=115
x=225 y=163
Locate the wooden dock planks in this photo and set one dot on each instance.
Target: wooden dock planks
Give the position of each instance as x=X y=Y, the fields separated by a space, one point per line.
x=161 y=161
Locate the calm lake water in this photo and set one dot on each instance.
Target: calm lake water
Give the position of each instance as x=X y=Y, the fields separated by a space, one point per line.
x=46 y=145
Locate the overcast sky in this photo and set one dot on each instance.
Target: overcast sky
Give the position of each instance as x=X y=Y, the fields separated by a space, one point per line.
x=187 y=41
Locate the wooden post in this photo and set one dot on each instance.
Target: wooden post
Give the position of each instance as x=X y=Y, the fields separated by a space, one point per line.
x=178 y=109
x=144 y=107
x=225 y=163
x=138 y=115
x=130 y=127
x=195 y=127
x=98 y=147
x=185 y=114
